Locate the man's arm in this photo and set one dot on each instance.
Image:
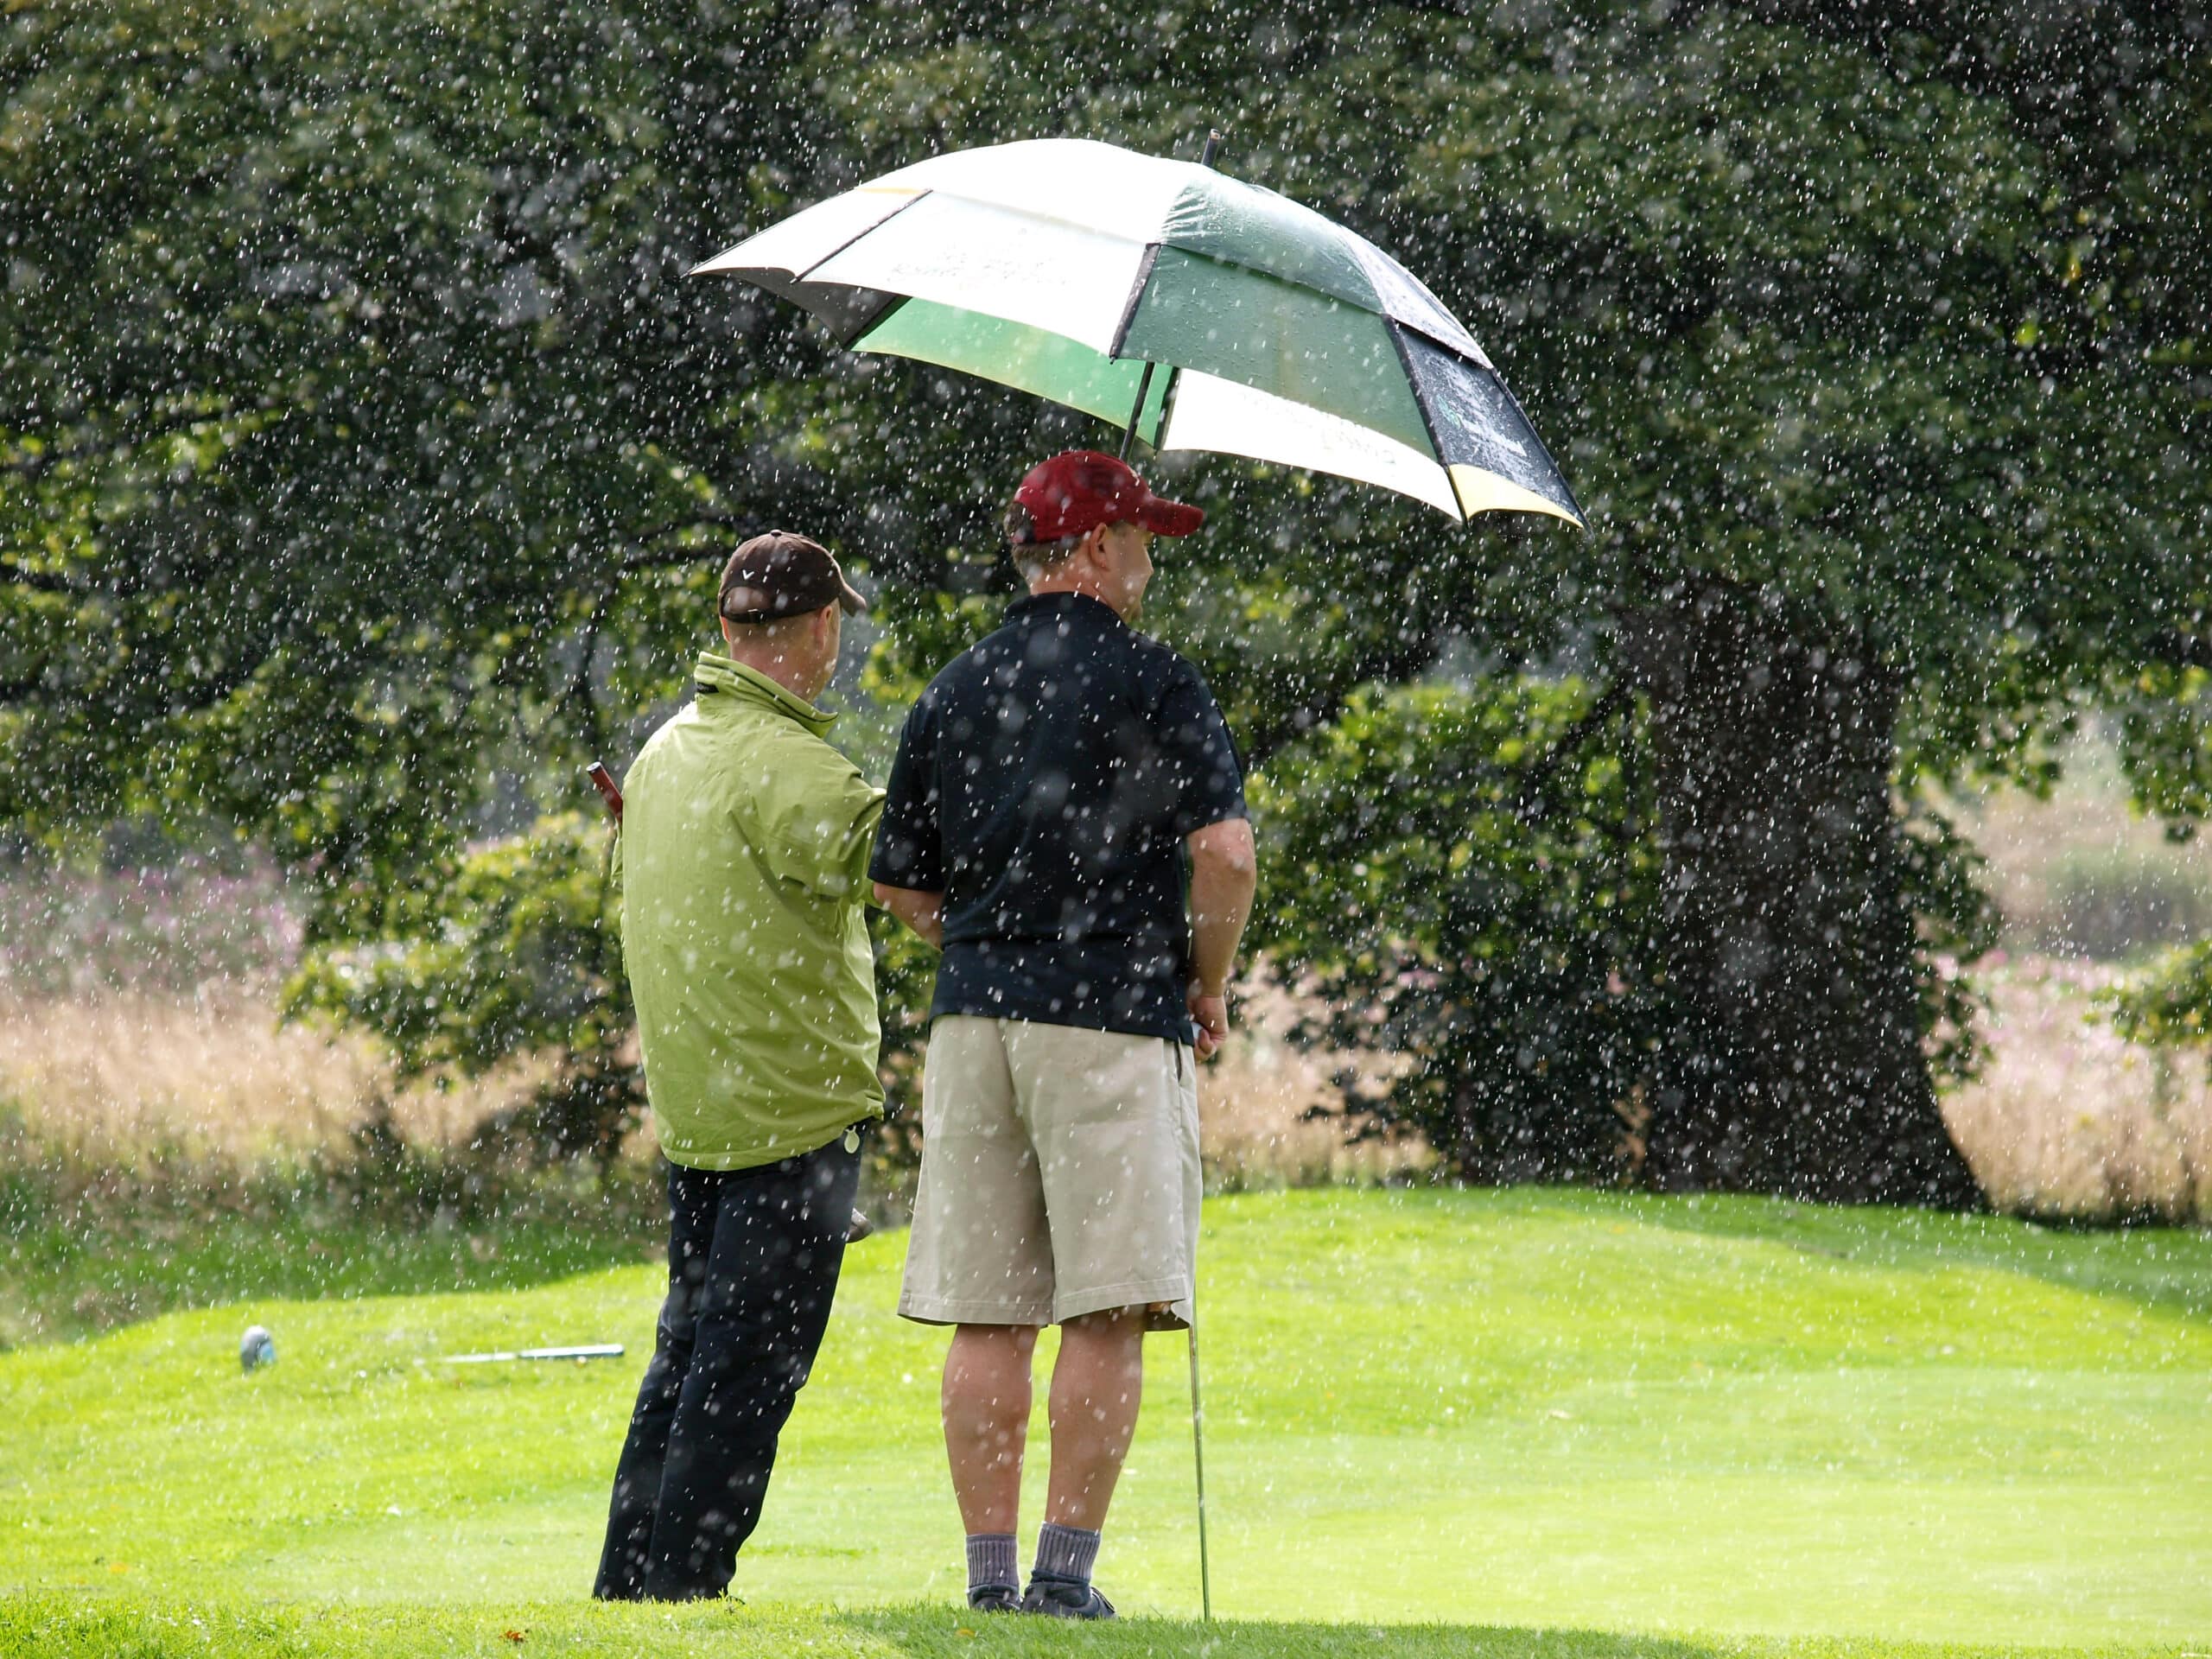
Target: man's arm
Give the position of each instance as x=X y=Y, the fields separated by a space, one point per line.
x=907 y=868
x=1224 y=875
x=819 y=828
x=922 y=912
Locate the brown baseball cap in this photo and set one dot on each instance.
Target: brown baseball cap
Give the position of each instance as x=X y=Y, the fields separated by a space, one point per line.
x=783 y=574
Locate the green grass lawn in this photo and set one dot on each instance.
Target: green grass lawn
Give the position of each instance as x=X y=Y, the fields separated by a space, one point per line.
x=1667 y=1426
x=76 y=1264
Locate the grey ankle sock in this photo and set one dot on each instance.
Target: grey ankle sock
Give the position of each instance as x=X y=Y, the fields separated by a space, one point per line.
x=991 y=1561
x=1067 y=1552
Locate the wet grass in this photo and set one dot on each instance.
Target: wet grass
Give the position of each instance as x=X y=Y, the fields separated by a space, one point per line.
x=1519 y=1422
x=81 y=1253
x=55 y=1627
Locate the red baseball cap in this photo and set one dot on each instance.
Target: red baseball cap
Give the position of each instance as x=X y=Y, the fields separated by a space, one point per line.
x=1078 y=490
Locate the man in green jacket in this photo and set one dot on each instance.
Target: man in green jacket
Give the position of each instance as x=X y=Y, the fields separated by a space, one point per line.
x=743 y=854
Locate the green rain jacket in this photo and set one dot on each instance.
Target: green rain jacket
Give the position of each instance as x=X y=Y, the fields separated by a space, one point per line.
x=743 y=860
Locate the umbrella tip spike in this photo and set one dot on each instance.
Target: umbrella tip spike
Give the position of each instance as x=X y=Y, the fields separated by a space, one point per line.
x=1213 y=143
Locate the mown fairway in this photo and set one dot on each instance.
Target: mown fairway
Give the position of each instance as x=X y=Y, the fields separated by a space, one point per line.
x=1530 y=1408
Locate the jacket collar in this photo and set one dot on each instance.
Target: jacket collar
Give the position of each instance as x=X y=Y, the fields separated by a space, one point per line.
x=717 y=673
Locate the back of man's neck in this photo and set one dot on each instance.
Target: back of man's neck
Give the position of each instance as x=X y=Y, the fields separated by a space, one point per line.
x=775 y=665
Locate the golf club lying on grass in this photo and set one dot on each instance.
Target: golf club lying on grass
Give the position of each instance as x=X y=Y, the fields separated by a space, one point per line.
x=611 y=792
x=580 y=1354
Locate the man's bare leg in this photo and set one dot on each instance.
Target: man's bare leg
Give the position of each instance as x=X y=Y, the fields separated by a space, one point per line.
x=1097 y=1385
x=985 y=1402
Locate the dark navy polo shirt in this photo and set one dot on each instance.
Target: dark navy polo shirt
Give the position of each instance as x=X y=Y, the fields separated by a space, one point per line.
x=1045 y=784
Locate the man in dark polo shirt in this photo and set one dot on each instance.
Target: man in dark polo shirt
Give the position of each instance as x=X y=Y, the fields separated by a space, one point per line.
x=1066 y=821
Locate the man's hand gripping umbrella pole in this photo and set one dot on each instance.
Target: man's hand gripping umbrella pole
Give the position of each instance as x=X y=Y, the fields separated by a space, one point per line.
x=611 y=792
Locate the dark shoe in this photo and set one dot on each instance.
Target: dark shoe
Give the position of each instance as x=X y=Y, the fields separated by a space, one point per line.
x=994 y=1599
x=858 y=1229
x=1065 y=1599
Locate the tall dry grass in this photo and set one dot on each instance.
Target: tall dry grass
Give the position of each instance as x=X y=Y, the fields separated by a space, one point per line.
x=2067 y=1120
x=138 y=1021
x=136 y=1016
x=109 y=1079
x=1257 y=1106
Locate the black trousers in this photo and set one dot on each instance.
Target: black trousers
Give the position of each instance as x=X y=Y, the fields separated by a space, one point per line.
x=753 y=1261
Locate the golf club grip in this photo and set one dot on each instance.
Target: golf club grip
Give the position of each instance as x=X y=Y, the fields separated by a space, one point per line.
x=603 y=781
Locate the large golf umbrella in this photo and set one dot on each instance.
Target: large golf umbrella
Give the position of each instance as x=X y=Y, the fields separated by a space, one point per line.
x=1199 y=311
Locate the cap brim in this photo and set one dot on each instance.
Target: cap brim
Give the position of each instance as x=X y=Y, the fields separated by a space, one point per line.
x=1165 y=517
x=848 y=599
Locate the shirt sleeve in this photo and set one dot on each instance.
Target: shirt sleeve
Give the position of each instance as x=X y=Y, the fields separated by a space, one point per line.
x=852 y=834
x=910 y=845
x=1199 y=754
x=822 y=839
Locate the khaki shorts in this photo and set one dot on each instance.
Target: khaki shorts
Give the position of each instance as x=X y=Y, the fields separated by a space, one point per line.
x=1059 y=1176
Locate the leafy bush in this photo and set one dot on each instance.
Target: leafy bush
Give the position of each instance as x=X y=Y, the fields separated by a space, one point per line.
x=2168 y=1004
x=510 y=950
x=1445 y=903
x=1940 y=879
x=2165 y=735
x=516 y=952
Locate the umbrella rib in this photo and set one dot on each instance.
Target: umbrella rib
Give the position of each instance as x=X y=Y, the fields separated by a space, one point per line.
x=1166 y=405
x=1136 y=294
x=1130 y=432
x=1390 y=327
x=851 y=338
x=802 y=275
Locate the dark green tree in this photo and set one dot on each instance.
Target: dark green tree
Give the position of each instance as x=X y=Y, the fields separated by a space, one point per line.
x=1467 y=920
x=1876 y=352
x=1895 y=374
x=364 y=451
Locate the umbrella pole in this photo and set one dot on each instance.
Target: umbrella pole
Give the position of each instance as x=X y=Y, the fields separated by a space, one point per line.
x=1130 y=432
x=1144 y=381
